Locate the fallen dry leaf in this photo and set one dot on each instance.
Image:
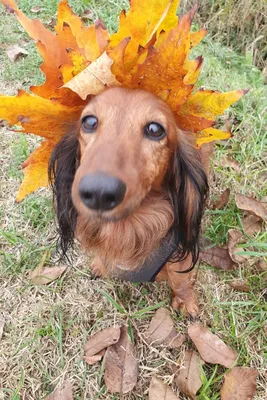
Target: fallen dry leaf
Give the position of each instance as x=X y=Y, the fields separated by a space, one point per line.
x=101 y=340
x=174 y=340
x=160 y=326
x=14 y=52
x=121 y=366
x=217 y=257
x=65 y=393
x=161 y=330
x=36 y=9
x=44 y=275
x=251 y=205
x=239 y=384
x=222 y=200
x=160 y=391
x=2 y=324
x=251 y=224
x=93 y=79
x=88 y=14
x=189 y=376
x=240 y=286
x=235 y=237
x=91 y=360
x=262 y=265
x=232 y=163
x=211 y=348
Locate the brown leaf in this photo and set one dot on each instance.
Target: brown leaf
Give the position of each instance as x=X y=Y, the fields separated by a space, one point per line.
x=232 y=163
x=65 y=393
x=88 y=14
x=189 y=377
x=217 y=257
x=234 y=238
x=239 y=384
x=161 y=326
x=160 y=391
x=2 y=324
x=211 y=348
x=91 y=360
x=174 y=340
x=44 y=275
x=93 y=79
x=261 y=265
x=101 y=340
x=251 y=224
x=36 y=9
x=240 y=286
x=161 y=330
x=14 y=52
x=121 y=366
x=251 y=205
x=222 y=200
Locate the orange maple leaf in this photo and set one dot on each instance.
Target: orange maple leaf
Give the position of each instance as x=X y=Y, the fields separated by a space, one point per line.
x=149 y=51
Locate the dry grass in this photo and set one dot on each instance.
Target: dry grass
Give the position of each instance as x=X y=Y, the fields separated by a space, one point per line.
x=241 y=24
x=46 y=327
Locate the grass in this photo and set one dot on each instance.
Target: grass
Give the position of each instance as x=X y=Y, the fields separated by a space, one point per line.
x=46 y=327
x=240 y=24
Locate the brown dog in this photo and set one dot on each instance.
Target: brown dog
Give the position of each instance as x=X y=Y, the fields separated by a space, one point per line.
x=131 y=188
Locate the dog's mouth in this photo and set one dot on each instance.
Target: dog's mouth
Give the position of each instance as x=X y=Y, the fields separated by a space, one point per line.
x=108 y=216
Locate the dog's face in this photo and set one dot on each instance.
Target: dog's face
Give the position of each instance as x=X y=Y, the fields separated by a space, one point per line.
x=126 y=140
x=126 y=146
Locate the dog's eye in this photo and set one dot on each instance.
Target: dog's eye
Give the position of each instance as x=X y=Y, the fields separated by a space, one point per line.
x=154 y=131
x=89 y=123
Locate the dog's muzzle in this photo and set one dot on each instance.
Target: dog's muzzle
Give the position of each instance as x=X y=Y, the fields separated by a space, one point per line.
x=101 y=192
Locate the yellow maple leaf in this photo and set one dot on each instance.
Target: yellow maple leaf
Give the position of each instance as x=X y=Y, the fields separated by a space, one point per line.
x=149 y=51
x=209 y=103
x=35 y=169
x=142 y=22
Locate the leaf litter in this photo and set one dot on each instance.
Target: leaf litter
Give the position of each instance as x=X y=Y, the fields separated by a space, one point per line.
x=239 y=384
x=97 y=343
x=121 y=365
x=161 y=330
x=211 y=348
x=160 y=391
x=15 y=51
x=222 y=200
x=64 y=393
x=259 y=209
x=189 y=376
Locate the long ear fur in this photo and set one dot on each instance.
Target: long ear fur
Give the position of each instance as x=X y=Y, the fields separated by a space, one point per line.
x=62 y=167
x=187 y=186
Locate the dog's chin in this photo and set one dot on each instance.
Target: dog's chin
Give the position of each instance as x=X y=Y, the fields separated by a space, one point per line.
x=106 y=216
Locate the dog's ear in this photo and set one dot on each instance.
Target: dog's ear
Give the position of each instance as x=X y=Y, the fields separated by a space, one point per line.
x=63 y=164
x=187 y=185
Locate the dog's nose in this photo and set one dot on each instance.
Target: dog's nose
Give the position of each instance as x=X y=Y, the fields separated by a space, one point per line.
x=100 y=191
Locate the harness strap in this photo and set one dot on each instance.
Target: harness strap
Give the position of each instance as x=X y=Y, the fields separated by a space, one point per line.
x=152 y=265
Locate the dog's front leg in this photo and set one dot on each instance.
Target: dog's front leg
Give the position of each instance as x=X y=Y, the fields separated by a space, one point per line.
x=183 y=296
x=98 y=268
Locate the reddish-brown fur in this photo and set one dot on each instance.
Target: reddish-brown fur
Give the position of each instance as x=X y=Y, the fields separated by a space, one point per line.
x=132 y=230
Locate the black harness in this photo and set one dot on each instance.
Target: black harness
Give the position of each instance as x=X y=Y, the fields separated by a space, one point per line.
x=152 y=265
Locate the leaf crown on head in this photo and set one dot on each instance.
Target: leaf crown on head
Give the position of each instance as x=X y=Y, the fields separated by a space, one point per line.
x=150 y=51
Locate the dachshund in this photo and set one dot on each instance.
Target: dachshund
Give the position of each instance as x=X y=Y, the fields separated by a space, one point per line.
x=130 y=186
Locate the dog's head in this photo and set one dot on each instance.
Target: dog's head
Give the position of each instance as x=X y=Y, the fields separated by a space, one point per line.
x=127 y=144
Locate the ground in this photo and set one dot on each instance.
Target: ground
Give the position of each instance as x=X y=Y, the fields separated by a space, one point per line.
x=47 y=326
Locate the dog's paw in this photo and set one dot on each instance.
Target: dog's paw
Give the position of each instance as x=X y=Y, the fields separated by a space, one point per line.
x=97 y=267
x=189 y=307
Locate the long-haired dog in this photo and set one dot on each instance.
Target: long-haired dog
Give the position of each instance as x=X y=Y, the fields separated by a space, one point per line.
x=131 y=187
